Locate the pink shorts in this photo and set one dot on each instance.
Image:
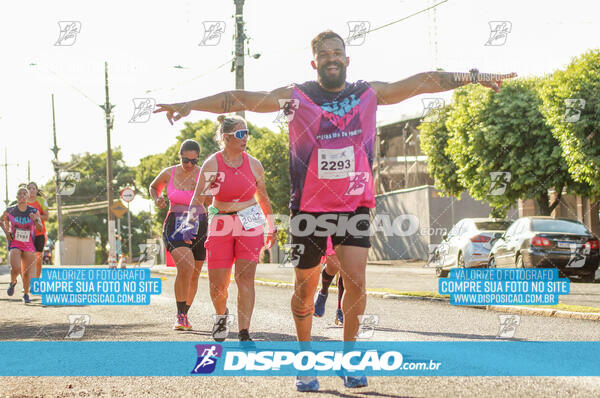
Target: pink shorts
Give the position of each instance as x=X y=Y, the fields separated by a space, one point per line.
x=228 y=241
x=329 y=251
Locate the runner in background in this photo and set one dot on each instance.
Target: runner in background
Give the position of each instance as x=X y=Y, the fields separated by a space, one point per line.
x=36 y=200
x=332 y=267
x=188 y=255
x=237 y=216
x=19 y=224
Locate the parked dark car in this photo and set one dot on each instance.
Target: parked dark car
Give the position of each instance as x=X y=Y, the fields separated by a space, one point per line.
x=545 y=242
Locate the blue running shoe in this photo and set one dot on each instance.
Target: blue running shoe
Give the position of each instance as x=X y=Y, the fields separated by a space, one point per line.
x=11 y=288
x=307 y=383
x=320 y=304
x=26 y=299
x=355 y=381
x=339 y=317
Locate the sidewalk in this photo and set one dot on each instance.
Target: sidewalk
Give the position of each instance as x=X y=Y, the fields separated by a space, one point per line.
x=404 y=278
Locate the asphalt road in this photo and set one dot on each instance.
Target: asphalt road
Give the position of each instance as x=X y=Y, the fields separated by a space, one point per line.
x=402 y=320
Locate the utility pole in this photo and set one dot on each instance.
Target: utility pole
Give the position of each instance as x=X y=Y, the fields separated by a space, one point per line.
x=28 y=171
x=61 y=247
x=6 y=176
x=239 y=48
x=107 y=107
x=129 y=234
x=6 y=164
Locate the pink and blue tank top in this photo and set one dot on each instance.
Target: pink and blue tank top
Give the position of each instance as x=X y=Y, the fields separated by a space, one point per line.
x=332 y=140
x=22 y=228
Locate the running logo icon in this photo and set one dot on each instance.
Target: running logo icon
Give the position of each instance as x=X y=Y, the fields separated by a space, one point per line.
x=142 y=109
x=499 y=31
x=357 y=32
x=432 y=108
x=508 y=325
x=357 y=182
x=68 y=182
x=212 y=182
x=288 y=108
x=367 y=324
x=500 y=180
x=77 y=324
x=574 y=106
x=207 y=358
x=68 y=33
x=148 y=253
x=212 y=33
x=292 y=255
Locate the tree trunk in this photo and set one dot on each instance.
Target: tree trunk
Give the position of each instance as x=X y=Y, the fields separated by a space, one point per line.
x=556 y=200
x=543 y=205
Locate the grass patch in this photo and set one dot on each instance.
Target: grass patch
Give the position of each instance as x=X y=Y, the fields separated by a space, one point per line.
x=569 y=307
x=411 y=293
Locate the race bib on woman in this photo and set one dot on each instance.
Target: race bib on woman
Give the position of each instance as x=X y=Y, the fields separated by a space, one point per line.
x=251 y=217
x=22 y=235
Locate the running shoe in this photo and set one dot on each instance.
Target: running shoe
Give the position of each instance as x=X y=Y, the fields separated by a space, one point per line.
x=180 y=323
x=26 y=299
x=220 y=329
x=320 y=304
x=355 y=381
x=307 y=383
x=243 y=335
x=186 y=322
x=339 y=317
x=11 y=288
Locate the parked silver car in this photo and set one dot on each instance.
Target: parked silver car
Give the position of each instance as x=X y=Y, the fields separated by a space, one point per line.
x=467 y=244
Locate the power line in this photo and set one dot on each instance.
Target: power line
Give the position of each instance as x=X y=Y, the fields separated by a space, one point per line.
x=405 y=18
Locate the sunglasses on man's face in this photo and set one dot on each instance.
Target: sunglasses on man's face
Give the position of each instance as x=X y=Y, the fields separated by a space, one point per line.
x=186 y=160
x=240 y=134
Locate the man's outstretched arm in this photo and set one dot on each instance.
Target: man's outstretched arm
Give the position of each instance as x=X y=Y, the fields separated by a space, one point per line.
x=229 y=101
x=434 y=82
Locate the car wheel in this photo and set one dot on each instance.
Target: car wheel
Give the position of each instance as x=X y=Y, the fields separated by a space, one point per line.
x=492 y=262
x=460 y=261
x=519 y=262
x=440 y=272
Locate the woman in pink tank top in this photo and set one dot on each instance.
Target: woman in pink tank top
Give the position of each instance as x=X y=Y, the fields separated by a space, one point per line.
x=20 y=223
x=180 y=181
x=237 y=218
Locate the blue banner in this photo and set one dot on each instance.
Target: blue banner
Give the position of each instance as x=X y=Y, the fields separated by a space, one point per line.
x=95 y=286
x=504 y=286
x=389 y=358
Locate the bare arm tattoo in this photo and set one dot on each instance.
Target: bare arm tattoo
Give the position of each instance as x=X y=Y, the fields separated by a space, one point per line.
x=227 y=102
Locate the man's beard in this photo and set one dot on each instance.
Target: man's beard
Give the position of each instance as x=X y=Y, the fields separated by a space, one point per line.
x=332 y=82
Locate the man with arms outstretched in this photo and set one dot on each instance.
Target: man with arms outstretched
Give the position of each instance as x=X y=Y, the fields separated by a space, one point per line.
x=332 y=137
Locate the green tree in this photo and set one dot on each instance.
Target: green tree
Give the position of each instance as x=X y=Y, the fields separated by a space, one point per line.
x=90 y=188
x=434 y=143
x=3 y=250
x=272 y=149
x=505 y=132
x=572 y=106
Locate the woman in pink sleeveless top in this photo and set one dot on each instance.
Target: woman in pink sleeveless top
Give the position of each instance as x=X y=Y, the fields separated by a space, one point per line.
x=237 y=218
x=179 y=181
x=20 y=223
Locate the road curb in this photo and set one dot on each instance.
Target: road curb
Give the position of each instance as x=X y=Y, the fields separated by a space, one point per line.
x=547 y=312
